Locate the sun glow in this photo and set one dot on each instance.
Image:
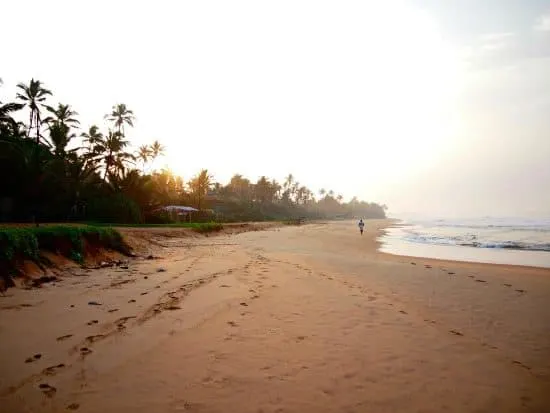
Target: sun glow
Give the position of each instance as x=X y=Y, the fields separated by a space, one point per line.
x=269 y=88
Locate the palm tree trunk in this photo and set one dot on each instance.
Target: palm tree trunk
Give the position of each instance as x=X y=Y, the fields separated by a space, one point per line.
x=30 y=125
x=107 y=166
x=37 y=124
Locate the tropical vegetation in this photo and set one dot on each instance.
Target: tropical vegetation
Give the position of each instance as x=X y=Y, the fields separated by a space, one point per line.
x=56 y=170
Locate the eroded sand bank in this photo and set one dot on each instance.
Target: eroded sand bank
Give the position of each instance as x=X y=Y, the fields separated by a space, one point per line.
x=293 y=319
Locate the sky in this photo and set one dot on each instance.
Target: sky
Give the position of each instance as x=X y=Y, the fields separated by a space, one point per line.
x=435 y=108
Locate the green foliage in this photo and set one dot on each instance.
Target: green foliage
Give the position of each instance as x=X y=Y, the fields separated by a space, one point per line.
x=201 y=227
x=115 y=208
x=68 y=240
x=47 y=180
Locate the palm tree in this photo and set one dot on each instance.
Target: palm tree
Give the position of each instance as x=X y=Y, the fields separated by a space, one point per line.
x=120 y=116
x=60 y=136
x=110 y=151
x=93 y=136
x=156 y=150
x=33 y=95
x=322 y=192
x=144 y=154
x=289 y=180
x=7 y=123
x=340 y=198
x=115 y=157
x=200 y=185
x=63 y=114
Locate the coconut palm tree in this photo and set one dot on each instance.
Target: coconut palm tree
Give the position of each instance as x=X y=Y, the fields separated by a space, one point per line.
x=63 y=114
x=156 y=150
x=200 y=185
x=33 y=95
x=115 y=157
x=93 y=136
x=144 y=154
x=60 y=136
x=120 y=116
x=289 y=180
x=322 y=192
x=109 y=150
x=8 y=124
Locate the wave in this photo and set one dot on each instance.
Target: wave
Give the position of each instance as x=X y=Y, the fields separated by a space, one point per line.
x=502 y=224
x=471 y=240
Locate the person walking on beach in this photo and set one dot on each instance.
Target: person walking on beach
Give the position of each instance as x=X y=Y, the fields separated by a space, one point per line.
x=361 y=226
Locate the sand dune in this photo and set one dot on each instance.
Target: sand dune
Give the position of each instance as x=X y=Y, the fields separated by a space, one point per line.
x=293 y=319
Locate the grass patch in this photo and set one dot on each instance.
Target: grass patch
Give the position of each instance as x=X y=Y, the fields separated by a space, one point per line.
x=296 y=221
x=25 y=243
x=202 y=227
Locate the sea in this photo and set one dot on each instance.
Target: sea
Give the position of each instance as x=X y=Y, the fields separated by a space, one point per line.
x=514 y=241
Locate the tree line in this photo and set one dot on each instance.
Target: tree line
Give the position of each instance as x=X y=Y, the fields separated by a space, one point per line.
x=48 y=176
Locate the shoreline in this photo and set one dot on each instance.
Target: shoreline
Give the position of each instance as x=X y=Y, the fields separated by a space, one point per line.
x=447 y=253
x=306 y=318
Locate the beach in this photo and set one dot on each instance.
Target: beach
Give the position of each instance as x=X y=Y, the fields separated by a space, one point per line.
x=309 y=318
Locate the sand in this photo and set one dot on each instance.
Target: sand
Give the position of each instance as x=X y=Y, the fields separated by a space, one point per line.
x=291 y=319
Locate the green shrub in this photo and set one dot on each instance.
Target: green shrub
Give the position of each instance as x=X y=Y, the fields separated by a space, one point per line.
x=68 y=240
x=114 y=208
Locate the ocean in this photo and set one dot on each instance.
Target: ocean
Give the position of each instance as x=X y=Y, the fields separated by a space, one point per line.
x=514 y=241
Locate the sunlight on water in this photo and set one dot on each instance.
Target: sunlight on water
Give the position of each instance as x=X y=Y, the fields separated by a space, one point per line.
x=502 y=241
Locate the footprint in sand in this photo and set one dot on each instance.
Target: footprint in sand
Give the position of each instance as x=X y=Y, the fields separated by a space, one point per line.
x=507 y=285
x=92 y=322
x=451 y=273
x=65 y=337
x=232 y=323
x=413 y=263
x=145 y=293
x=52 y=370
x=519 y=363
x=73 y=406
x=255 y=297
x=132 y=301
x=37 y=356
x=480 y=281
x=456 y=333
x=371 y=298
x=521 y=291
x=244 y=304
x=113 y=310
x=47 y=389
x=403 y=312
x=85 y=351
x=93 y=339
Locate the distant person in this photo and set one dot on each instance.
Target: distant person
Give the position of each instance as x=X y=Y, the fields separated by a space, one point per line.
x=361 y=226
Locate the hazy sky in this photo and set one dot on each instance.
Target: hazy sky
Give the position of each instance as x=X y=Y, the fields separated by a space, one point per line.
x=431 y=106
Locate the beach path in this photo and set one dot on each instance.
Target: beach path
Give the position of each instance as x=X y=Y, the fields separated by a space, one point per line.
x=292 y=319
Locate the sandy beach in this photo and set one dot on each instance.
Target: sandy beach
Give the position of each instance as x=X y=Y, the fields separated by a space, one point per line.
x=288 y=319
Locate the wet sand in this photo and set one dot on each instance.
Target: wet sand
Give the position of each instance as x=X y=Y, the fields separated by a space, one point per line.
x=291 y=319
